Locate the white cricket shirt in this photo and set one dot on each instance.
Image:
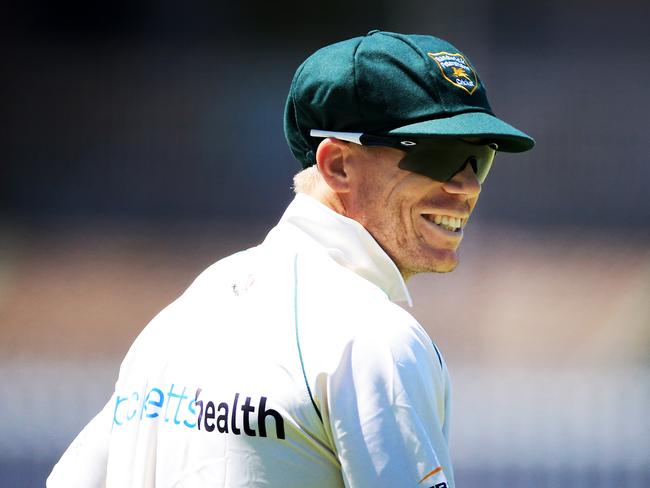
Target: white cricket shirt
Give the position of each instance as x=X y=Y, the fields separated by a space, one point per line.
x=285 y=365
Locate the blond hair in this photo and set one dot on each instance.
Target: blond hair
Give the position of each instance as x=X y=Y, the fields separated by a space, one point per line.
x=307 y=180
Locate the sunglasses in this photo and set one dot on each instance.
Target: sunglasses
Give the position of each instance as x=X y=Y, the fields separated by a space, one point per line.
x=437 y=158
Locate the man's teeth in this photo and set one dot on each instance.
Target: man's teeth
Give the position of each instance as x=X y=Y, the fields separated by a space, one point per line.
x=449 y=223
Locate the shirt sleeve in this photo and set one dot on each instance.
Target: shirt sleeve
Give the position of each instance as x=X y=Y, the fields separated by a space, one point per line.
x=83 y=465
x=387 y=403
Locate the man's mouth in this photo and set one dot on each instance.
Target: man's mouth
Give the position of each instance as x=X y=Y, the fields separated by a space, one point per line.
x=447 y=222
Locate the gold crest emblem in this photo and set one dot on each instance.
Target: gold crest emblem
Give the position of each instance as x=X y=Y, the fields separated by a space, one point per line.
x=456 y=70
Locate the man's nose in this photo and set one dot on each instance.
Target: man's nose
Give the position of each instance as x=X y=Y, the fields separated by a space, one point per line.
x=464 y=182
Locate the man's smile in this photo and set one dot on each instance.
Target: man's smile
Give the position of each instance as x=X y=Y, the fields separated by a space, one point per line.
x=440 y=232
x=447 y=222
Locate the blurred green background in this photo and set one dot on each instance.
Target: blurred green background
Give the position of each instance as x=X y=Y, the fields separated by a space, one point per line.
x=141 y=141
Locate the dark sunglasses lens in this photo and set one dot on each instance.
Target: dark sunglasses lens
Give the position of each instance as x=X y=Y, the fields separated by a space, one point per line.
x=441 y=160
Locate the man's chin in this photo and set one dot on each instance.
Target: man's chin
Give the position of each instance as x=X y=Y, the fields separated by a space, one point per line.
x=444 y=267
x=439 y=267
x=447 y=269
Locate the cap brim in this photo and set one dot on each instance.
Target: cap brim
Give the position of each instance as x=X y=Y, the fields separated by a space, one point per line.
x=472 y=124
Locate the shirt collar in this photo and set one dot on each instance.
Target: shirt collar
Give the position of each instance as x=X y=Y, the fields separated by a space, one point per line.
x=348 y=243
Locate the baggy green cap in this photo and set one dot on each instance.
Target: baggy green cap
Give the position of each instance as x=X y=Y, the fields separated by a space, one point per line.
x=387 y=83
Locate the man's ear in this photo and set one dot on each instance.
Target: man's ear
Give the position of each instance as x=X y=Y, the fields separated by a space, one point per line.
x=331 y=157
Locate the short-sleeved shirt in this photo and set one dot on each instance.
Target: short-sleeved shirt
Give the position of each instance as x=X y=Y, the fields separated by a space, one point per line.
x=285 y=365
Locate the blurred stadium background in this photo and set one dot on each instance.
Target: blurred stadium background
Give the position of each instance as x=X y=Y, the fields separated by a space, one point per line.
x=141 y=141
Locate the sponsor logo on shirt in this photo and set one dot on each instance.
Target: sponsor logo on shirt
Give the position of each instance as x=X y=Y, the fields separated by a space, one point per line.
x=219 y=418
x=237 y=417
x=436 y=476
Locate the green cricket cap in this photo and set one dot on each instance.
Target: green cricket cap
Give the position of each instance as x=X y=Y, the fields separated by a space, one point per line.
x=386 y=83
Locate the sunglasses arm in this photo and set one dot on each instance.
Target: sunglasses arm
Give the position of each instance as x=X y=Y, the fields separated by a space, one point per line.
x=364 y=139
x=342 y=136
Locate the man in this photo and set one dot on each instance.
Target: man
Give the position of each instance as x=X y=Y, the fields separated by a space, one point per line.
x=289 y=364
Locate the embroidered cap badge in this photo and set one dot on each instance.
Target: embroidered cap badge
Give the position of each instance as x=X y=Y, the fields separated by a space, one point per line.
x=456 y=70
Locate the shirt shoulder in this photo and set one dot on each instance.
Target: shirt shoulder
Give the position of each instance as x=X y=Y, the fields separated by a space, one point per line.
x=211 y=290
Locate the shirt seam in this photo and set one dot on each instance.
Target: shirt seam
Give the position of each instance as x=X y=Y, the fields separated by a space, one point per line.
x=437 y=353
x=295 y=318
